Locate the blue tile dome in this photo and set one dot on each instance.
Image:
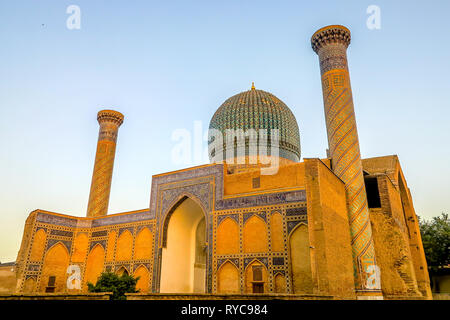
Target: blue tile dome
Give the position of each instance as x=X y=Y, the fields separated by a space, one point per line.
x=258 y=109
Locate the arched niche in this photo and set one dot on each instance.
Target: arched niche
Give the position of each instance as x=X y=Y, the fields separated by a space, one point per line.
x=227 y=237
x=54 y=271
x=38 y=246
x=143 y=244
x=143 y=283
x=256 y=280
x=299 y=250
x=94 y=264
x=255 y=235
x=228 y=279
x=124 y=247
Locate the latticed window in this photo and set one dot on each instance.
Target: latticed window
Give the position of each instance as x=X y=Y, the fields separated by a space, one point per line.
x=51 y=284
x=258 y=288
x=257 y=273
x=257 y=283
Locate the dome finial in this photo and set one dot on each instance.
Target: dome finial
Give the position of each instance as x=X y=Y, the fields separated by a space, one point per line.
x=253 y=85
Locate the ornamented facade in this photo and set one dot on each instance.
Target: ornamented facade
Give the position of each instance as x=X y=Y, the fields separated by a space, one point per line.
x=339 y=227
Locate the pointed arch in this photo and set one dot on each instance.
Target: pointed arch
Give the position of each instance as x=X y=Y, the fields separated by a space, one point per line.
x=230 y=261
x=29 y=285
x=276 y=232
x=80 y=247
x=122 y=270
x=55 y=265
x=179 y=271
x=94 y=264
x=38 y=246
x=256 y=277
x=299 y=249
x=255 y=235
x=124 y=246
x=143 y=244
x=143 y=284
x=173 y=207
x=227 y=237
x=279 y=283
x=228 y=278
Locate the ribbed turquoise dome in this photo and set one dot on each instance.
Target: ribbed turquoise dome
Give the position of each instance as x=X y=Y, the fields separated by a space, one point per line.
x=258 y=109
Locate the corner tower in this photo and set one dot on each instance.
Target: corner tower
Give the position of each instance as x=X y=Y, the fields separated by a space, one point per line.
x=330 y=43
x=110 y=122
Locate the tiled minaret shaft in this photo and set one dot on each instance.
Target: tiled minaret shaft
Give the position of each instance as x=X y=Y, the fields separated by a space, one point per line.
x=330 y=43
x=110 y=122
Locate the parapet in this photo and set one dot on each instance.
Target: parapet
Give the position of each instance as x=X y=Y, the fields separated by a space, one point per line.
x=330 y=34
x=110 y=116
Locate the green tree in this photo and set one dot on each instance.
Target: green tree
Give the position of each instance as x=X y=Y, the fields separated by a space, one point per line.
x=436 y=241
x=118 y=285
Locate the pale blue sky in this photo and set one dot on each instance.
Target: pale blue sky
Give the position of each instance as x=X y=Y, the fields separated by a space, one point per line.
x=167 y=64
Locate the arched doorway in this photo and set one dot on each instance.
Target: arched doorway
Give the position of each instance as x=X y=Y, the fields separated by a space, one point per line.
x=183 y=263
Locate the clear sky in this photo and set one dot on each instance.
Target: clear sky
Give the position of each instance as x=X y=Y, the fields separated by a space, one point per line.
x=167 y=64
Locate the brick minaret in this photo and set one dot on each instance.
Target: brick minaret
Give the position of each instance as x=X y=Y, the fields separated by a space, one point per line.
x=330 y=43
x=110 y=122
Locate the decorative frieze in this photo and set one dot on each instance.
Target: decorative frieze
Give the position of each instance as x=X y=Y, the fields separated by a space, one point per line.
x=56 y=219
x=102 y=233
x=296 y=211
x=61 y=233
x=261 y=200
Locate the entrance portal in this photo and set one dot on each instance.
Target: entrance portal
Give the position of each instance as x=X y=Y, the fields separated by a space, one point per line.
x=183 y=265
